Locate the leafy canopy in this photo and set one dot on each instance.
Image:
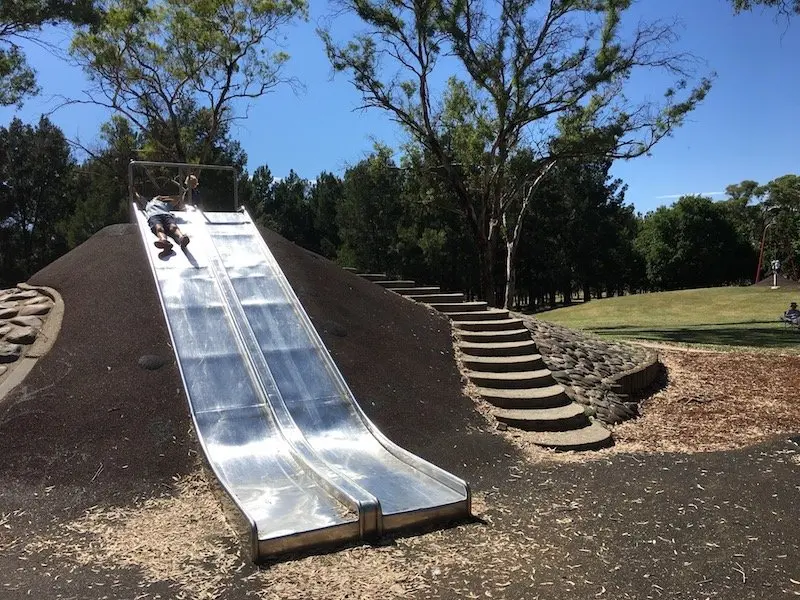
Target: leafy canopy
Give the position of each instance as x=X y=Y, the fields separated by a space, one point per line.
x=19 y=20
x=545 y=76
x=150 y=60
x=785 y=7
x=37 y=194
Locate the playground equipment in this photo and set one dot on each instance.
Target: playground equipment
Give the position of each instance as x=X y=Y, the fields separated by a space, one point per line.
x=299 y=461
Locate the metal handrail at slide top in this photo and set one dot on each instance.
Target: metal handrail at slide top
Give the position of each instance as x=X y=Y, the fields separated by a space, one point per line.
x=150 y=163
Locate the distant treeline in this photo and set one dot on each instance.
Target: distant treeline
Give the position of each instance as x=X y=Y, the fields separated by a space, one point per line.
x=387 y=214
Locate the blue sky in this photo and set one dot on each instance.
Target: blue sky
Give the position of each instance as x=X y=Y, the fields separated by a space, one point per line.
x=748 y=127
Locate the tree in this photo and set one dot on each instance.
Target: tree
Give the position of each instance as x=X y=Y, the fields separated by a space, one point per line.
x=785 y=7
x=22 y=19
x=743 y=210
x=102 y=181
x=325 y=197
x=37 y=191
x=781 y=214
x=691 y=245
x=261 y=196
x=287 y=210
x=434 y=244
x=590 y=236
x=152 y=60
x=585 y=239
x=530 y=73
x=370 y=212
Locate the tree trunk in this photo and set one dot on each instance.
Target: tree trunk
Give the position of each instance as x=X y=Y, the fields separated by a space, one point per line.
x=587 y=292
x=567 y=291
x=512 y=241
x=511 y=274
x=486 y=265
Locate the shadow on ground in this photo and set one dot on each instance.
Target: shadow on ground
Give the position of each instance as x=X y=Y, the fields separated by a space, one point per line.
x=765 y=337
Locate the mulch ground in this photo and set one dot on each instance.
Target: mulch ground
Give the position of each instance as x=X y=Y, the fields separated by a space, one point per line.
x=102 y=495
x=717 y=401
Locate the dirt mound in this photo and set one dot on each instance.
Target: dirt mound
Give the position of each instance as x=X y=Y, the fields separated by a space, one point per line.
x=101 y=496
x=95 y=427
x=91 y=427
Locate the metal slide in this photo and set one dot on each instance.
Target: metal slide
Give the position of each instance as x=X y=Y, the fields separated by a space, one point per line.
x=281 y=430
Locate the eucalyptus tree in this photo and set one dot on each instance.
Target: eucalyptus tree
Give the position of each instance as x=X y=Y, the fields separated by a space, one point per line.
x=37 y=195
x=22 y=20
x=151 y=60
x=785 y=7
x=548 y=75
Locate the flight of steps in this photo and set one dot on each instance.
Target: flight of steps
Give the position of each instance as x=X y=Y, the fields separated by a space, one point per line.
x=501 y=359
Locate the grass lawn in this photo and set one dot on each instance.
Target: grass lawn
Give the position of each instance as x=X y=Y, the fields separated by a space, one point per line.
x=733 y=316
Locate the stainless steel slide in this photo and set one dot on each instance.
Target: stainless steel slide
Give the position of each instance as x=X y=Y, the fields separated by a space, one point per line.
x=280 y=428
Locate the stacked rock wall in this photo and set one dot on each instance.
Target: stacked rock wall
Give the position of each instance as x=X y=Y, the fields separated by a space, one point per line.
x=603 y=376
x=23 y=312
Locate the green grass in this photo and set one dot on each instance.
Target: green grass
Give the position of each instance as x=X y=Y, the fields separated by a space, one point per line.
x=733 y=316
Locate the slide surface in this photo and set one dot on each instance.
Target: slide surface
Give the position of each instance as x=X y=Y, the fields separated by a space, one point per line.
x=281 y=430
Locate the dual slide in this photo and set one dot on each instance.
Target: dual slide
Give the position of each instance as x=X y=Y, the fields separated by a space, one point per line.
x=302 y=465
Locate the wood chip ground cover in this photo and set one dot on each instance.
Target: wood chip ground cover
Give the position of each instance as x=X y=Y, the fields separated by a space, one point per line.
x=547 y=533
x=183 y=539
x=539 y=536
x=712 y=401
x=717 y=401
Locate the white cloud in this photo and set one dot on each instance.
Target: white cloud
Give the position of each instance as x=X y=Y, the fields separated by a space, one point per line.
x=676 y=196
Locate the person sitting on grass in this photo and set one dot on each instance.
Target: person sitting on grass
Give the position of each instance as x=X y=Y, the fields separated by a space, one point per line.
x=792 y=315
x=162 y=223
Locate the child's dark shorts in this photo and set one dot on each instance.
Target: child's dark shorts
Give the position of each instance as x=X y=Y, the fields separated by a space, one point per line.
x=166 y=222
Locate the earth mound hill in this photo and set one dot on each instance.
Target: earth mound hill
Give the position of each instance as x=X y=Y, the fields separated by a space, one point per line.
x=95 y=423
x=92 y=426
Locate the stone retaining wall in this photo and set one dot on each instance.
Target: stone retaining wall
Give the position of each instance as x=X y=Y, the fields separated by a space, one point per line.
x=604 y=376
x=635 y=380
x=30 y=318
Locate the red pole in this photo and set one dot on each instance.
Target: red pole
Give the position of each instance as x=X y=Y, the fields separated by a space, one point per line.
x=761 y=252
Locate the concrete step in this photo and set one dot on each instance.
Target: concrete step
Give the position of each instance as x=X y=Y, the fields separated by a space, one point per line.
x=503 y=364
x=374 y=276
x=591 y=437
x=561 y=418
x=436 y=298
x=510 y=335
x=393 y=284
x=498 y=349
x=549 y=396
x=496 y=325
x=405 y=291
x=517 y=380
x=351 y=269
x=491 y=314
x=459 y=307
